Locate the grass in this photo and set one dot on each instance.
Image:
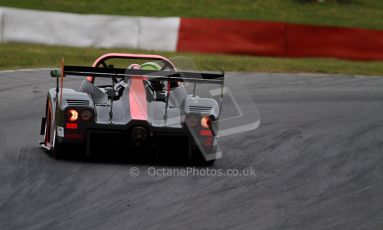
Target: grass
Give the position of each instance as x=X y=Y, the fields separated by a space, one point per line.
x=355 y=13
x=16 y=55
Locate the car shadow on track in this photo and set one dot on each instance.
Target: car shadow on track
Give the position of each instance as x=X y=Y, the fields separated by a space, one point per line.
x=176 y=159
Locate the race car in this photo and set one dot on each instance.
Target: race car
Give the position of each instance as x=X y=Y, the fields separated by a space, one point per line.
x=143 y=104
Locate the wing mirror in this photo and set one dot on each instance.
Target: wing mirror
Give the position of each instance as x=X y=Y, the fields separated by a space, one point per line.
x=55 y=73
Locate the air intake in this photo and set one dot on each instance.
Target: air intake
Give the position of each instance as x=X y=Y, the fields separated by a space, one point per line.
x=74 y=102
x=200 y=109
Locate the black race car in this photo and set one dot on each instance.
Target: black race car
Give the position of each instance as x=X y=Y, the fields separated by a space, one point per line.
x=147 y=105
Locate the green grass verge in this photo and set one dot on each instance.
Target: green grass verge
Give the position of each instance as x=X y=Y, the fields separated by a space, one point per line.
x=355 y=13
x=16 y=55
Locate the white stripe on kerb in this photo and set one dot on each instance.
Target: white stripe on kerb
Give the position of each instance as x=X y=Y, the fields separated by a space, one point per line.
x=1 y=24
x=24 y=70
x=86 y=30
x=158 y=33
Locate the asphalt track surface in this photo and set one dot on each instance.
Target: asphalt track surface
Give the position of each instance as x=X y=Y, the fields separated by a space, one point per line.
x=318 y=158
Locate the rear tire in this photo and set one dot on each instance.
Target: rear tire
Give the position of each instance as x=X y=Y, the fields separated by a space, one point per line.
x=57 y=149
x=51 y=140
x=48 y=121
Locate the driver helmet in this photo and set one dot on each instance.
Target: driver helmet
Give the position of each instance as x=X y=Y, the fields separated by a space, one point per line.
x=150 y=66
x=157 y=85
x=134 y=66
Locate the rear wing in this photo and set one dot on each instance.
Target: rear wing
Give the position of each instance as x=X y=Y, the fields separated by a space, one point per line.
x=169 y=76
x=172 y=76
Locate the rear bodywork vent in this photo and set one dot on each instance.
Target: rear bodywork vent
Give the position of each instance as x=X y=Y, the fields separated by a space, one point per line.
x=204 y=106
x=200 y=109
x=76 y=102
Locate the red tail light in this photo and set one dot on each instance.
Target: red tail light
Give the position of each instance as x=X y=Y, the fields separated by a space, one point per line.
x=71 y=125
x=205 y=132
x=72 y=115
x=206 y=122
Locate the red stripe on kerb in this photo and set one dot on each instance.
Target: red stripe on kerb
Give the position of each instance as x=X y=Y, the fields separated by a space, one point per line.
x=231 y=36
x=278 y=39
x=137 y=100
